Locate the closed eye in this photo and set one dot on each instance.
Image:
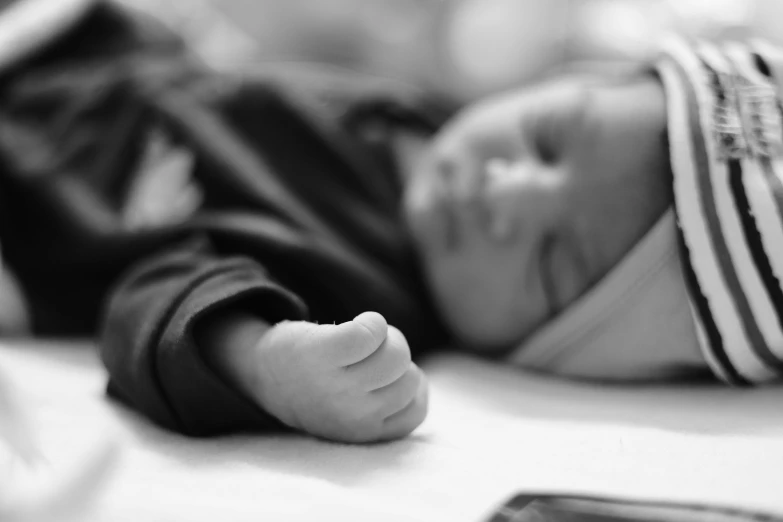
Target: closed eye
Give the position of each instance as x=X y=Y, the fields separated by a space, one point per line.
x=549 y=131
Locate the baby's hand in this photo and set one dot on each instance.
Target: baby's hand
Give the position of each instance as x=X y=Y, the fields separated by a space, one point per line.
x=352 y=382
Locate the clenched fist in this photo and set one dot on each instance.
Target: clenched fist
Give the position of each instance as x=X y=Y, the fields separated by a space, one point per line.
x=352 y=382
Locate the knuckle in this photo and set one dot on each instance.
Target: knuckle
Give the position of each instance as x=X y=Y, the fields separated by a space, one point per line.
x=359 y=337
x=372 y=320
x=423 y=394
x=399 y=351
x=396 y=334
x=414 y=418
x=359 y=413
x=420 y=412
x=373 y=325
x=419 y=385
x=400 y=358
x=365 y=428
x=421 y=377
x=412 y=382
x=346 y=417
x=350 y=346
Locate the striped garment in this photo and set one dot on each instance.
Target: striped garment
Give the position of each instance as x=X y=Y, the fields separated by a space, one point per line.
x=726 y=146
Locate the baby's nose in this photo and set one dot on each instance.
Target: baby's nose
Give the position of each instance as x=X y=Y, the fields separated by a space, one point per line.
x=504 y=174
x=518 y=196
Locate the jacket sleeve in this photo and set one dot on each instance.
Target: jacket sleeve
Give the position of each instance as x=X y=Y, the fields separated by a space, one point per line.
x=726 y=146
x=75 y=119
x=72 y=129
x=72 y=113
x=147 y=340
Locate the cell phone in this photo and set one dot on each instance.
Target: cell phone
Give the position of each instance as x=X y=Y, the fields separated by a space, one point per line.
x=553 y=508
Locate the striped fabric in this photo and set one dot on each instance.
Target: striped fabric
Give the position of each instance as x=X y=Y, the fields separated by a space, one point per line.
x=726 y=147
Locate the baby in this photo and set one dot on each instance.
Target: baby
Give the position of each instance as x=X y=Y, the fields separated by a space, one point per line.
x=610 y=228
x=267 y=249
x=519 y=206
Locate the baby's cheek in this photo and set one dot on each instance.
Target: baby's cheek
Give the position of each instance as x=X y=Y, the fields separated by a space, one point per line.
x=486 y=310
x=571 y=273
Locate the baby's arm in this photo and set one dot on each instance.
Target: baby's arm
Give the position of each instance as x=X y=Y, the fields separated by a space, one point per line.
x=352 y=382
x=207 y=344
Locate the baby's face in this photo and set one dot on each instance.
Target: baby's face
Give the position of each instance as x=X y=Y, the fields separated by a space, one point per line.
x=525 y=200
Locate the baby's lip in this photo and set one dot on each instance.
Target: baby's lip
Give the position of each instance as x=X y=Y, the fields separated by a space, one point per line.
x=444 y=190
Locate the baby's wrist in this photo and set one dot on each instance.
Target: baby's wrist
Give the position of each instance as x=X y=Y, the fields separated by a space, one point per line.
x=228 y=342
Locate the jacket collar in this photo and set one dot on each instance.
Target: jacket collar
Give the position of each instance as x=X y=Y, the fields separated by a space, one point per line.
x=28 y=25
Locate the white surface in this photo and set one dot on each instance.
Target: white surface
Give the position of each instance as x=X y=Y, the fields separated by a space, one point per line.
x=491 y=433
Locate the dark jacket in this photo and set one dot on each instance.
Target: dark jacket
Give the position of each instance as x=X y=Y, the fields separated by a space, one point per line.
x=140 y=190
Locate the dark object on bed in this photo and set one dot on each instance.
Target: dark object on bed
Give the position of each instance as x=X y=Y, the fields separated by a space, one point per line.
x=545 y=508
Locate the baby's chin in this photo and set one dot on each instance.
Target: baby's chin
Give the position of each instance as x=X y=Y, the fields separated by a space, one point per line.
x=486 y=342
x=483 y=329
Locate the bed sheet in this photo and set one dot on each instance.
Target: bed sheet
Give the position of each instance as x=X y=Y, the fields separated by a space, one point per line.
x=492 y=432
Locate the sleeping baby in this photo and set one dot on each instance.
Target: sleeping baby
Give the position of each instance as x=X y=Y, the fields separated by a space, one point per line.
x=612 y=228
x=621 y=228
x=266 y=250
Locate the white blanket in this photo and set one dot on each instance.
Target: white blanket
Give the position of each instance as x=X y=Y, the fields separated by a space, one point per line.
x=492 y=432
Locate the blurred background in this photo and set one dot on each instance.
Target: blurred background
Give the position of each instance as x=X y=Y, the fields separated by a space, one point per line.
x=462 y=48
